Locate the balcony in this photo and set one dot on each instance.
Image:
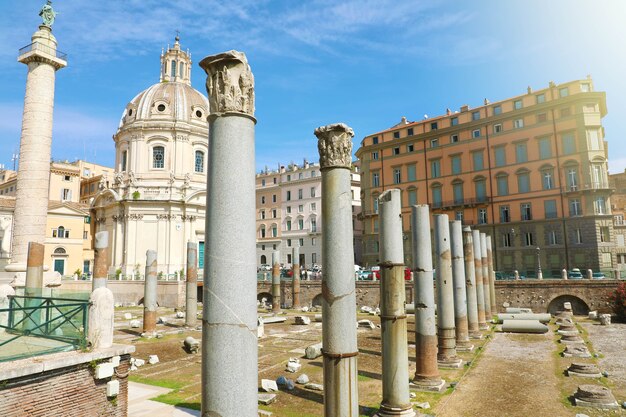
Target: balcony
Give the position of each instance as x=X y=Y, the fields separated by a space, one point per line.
x=466 y=202
x=39 y=47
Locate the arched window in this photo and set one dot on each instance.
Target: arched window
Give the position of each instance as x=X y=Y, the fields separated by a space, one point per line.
x=60 y=232
x=60 y=251
x=263 y=259
x=199 y=161
x=173 y=68
x=158 y=157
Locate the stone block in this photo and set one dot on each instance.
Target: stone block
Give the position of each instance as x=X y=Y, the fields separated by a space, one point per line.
x=191 y=344
x=135 y=324
x=153 y=359
x=293 y=365
x=313 y=351
x=302 y=320
x=314 y=387
x=303 y=379
x=128 y=316
x=605 y=319
x=269 y=385
x=367 y=324
x=267 y=399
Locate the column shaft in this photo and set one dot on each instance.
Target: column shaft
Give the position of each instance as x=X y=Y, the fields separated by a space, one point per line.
x=485 y=264
x=478 y=271
x=150 y=293
x=276 y=281
x=191 y=294
x=295 y=283
x=460 y=293
x=470 y=281
x=492 y=276
x=101 y=260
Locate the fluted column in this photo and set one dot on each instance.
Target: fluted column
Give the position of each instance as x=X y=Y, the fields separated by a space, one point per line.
x=396 y=400
x=229 y=316
x=338 y=283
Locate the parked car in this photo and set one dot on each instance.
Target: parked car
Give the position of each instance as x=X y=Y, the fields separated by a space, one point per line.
x=375 y=271
x=407 y=273
x=575 y=274
x=598 y=275
x=364 y=274
x=265 y=267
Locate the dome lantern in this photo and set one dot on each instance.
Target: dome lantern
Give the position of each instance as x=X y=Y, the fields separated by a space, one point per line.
x=176 y=64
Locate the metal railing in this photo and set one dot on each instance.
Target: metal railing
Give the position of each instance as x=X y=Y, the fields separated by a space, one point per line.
x=37 y=46
x=60 y=319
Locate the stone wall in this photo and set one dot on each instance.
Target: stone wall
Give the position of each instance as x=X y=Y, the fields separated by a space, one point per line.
x=169 y=293
x=63 y=384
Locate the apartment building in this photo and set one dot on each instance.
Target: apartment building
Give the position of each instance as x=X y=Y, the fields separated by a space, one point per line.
x=531 y=171
x=289 y=213
x=617 y=182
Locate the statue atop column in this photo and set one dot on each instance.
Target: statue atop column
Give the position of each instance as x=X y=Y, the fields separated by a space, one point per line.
x=47 y=14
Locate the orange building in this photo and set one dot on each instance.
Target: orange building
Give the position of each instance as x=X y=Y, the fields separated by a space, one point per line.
x=531 y=171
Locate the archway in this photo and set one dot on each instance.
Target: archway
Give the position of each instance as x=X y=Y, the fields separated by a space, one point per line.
x=268 y=297
x=579 y=306
x=317 y=301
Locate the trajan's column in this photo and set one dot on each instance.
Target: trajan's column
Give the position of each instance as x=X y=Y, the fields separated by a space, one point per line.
x=33 y=175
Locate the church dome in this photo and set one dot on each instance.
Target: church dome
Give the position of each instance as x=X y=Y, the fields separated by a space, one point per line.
x=173 y=99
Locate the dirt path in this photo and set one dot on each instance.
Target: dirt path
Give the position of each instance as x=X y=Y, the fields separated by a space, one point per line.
x=515 y=376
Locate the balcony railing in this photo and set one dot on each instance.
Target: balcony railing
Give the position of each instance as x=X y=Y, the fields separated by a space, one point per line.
x=37 y=46
x=460 y=202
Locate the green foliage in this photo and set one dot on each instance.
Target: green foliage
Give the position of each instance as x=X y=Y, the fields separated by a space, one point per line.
x=136 y=195
x=118 y=272
x=618 y=299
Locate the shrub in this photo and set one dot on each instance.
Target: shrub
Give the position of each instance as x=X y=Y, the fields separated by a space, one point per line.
x=618 y=299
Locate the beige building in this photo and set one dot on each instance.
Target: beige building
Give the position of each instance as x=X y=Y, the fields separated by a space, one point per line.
x=155 y=199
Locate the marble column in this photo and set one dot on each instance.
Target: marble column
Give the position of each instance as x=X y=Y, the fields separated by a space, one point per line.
x=478 y=271
x=460 y=293
x=485 y=264
x=229 y=317
x=470 y=284
x=339 y=344
x=101 y=315
x=395 y=366
x=150 y=293
x=34 y=285
x=101 y=260
x=446 y=334
x=492 y=276
x=427 y=377
x=276 y=299
x=295 y=283
x=191 y=294
x=33 y=175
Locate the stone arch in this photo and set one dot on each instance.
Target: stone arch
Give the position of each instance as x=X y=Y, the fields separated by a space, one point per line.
x=579 y=306
x=317 y=300
x=268 y=297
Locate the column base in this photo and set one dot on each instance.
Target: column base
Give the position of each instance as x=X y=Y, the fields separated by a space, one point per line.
x=428 y=385
x=453 y=363
x=386 y=411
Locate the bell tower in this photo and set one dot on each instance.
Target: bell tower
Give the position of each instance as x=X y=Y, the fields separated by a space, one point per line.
x=176 y=64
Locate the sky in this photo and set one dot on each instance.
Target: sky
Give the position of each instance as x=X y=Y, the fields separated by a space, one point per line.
x=365 y=63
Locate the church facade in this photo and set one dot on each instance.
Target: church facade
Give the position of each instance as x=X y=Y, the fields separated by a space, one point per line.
x=156 y=198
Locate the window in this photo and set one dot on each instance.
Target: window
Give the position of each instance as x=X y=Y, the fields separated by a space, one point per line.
x=375 y=155
x=263 y=183
x=482 y=216
x=375 y=179
x=435 y=168
x=585 y=87
x=497 y=110
x=476 y=115
x=476 y=133
x=599 y=205
x=288 y=243
x=454 y=121
x=396 y=150
x=397 y=176
x=549 y=207
x=497 y=128
x=575 y=209
x=173 y=72
x=521 y=153
x=458 y=215
x=506 y=240
x=313 y=225
x=124 y=160
x=410 y=147
x=523 y=182
x=593 y=136
x=375 y=140
x=273 y=198
x=619 y=220
x=313 y=206
x=274 y=231
x=262 y=199
x=477 y=159
x=288 y=177
x=274 y=213
x=541 y=98
x=605 y=235
x=312 y=191
x=563 y=92
x=199 y=161
x=500 y=156
x=412 y=197
x=66 y=194
x=158 y=157
x=553 y=237
x=505 y=214
x=436 y=196
x=300 y=224
x=288 y=195
x=313 y=241
x=375 y=203
x=569 y=144
x=301 y=242
x=300 y=208
x=61 y=233
x=502 y=182
x=456 y=164
x=410 y=172
x=547 y=179
x=597 y=176
x=262 y=214
x=300 y=194
x=288 y=224
x=578 y=236
x=517 y=104
x=545 y=148
x=275 y=179
x=529 y=239
x=457 y=189
x=396 y=135
x=433 y=126
x=565 y=112
x=454 y=138
x=526 y=211
x=434 y=143
x=518 y=123
x=481 y=190
x=300 y=175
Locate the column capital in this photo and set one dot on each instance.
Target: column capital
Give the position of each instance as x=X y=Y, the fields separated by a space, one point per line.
x=230 y=83
x=335 y=145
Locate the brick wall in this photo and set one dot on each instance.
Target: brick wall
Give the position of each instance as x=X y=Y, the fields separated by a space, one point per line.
x=65 y=392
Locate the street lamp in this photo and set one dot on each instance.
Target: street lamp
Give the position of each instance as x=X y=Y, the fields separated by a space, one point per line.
x=539 y=273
